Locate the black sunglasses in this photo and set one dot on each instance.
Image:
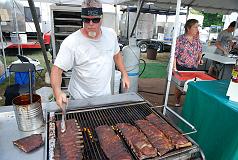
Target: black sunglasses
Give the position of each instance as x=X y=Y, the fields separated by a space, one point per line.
x=94 y=20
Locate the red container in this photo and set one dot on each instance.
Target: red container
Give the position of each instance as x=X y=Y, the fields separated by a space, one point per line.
x=183 y=76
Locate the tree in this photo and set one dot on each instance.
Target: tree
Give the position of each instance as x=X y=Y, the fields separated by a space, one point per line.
x=212 y=19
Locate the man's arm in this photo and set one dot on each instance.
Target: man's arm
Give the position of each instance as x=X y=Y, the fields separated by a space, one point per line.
x=56 y=80
x=118 y=59
x=200 y=61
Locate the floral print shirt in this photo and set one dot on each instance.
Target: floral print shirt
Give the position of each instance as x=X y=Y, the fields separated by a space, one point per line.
x=186 y=53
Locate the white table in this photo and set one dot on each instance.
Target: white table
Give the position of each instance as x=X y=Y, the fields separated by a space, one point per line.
x=227 y=64
x=9 y=130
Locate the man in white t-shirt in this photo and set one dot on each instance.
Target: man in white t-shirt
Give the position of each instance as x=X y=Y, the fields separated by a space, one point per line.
x=89 y=52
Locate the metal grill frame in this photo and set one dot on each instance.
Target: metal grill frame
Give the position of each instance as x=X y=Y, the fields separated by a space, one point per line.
x=92 y=147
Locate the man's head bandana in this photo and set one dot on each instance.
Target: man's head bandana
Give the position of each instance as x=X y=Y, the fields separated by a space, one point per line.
x=92 y=11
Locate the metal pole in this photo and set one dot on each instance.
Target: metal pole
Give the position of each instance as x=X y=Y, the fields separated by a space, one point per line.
x=17 y=29
x=186 y=122
x=3 y=51
x=137 y=16
x=39 y=36
x=155 y=26
x=30 y=85
x=116 y=19
x=171 y=68
x=187 y=12
x=172 y=56
x=128 y=23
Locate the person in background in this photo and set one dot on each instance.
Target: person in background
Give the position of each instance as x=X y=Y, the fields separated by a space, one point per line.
x=188 y=52
x=223 y=44
x=89 y=52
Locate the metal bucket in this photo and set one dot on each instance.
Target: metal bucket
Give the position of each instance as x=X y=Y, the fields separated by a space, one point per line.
x=29 y=116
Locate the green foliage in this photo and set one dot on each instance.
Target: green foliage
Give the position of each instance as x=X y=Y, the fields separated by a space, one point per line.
x=212 y=19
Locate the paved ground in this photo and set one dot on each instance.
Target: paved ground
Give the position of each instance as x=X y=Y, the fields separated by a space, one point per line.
x=153 y=90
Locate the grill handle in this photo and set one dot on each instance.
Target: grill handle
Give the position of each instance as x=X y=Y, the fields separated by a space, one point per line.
x=194 y=130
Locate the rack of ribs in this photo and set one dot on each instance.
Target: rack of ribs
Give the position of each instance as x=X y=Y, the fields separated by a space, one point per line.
x=30 y=143
x=137 y=141
x=177 y=139
x=68 y=145
x=111 y=144
x=155 y=136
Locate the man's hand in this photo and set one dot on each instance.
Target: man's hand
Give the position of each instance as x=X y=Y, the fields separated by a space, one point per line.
x=125 y=82
x=225 y=52
x=61 y=99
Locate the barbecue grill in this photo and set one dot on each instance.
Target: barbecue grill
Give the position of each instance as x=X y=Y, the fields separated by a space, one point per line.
x=91 y=117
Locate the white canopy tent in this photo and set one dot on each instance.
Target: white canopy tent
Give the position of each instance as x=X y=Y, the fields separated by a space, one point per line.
x=78 y=2
x=211 y=6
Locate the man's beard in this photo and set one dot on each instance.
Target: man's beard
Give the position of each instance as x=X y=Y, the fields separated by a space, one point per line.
x=92 y=34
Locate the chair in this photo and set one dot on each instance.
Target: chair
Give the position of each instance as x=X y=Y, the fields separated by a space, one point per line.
x=20 y=88
x=22 y=58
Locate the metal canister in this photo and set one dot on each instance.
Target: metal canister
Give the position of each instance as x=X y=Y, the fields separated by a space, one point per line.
x=29 y=116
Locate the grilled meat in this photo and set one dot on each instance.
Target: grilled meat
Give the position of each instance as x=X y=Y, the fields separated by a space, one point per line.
x=29 y=143
x=177 y=139
x=155 y=136
x=137 y=140
x=111 y=144
x=68 y=143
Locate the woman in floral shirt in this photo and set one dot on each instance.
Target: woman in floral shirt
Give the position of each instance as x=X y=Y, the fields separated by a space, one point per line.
x=188 y=52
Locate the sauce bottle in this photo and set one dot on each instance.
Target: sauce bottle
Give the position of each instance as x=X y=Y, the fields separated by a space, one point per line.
x=235 y=73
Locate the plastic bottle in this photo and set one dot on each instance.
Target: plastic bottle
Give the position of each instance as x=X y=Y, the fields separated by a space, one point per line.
x=235 y=73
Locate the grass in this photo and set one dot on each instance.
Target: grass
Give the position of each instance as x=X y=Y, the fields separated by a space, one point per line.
x=155 y=68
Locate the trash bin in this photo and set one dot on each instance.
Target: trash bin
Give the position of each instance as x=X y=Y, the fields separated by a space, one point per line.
x=151 y=51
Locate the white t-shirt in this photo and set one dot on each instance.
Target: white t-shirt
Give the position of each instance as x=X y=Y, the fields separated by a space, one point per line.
x=91 y=62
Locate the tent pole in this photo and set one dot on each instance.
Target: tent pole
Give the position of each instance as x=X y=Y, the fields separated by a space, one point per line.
x=3 y=51
x=128 y=23
x=176 y=28
x=17 y=29
x=39 y=36
x=176 y=24
x=116 y=19
x=187 y=12
x=141 y=3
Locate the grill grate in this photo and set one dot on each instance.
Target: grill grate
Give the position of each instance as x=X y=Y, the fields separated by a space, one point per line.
x=111 y=115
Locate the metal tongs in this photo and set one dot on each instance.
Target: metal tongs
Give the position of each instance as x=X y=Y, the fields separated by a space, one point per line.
x=63 y=125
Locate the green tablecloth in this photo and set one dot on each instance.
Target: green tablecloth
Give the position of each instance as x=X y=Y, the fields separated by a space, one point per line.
x=215 y=117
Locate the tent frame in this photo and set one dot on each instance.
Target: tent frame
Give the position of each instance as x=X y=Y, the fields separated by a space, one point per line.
x=141 y=2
